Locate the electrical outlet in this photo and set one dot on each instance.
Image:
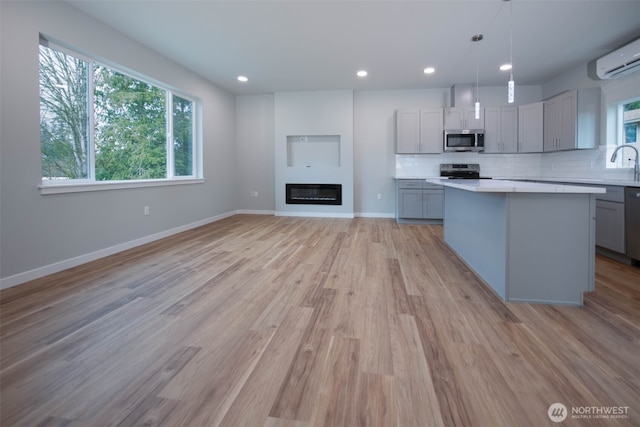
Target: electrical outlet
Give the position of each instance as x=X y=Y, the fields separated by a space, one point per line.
x=146 y=210
x=379 y=196
x=253 y=194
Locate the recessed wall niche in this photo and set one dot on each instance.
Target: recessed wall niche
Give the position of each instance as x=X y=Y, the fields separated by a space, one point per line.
x=313 y=150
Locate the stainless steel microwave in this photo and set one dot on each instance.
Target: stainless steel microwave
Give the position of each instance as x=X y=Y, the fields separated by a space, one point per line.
x=464 y=140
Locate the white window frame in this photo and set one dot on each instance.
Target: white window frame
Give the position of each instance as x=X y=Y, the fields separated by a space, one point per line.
x=90 y=184
x=616 y=134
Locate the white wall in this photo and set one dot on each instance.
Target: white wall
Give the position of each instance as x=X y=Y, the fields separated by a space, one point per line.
x=255 y=160
x=375 y=161
x=39 y=233
x=314 y=113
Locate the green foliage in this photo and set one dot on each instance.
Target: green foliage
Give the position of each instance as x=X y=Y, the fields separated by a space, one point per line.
x=632 y=106
x=130 y=128
x=182 y=136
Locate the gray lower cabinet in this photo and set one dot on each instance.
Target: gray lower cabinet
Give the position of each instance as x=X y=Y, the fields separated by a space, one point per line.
x=610 y=232
x=417 y=199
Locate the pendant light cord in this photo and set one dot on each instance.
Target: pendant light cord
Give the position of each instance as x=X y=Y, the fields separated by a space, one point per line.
x=511 y=37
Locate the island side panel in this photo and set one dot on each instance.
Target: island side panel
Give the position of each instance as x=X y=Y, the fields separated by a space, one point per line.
x=475 y=228
x=550 y=247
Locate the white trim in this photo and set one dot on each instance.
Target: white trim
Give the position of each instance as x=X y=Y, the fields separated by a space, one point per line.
x=76 y=187
x=315 y=214
x=39 y=272
x=254 y=212
x=375 y=215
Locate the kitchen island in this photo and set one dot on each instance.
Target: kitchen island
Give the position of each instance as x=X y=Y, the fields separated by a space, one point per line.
x=530 y=242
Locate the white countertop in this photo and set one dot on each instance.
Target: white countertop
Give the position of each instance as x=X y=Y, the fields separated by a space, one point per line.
x=591 y=181
x=507 y=186
x=587 y=181
x=416 y=177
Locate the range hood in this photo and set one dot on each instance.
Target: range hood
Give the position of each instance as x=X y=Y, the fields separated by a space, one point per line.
x=461 y=95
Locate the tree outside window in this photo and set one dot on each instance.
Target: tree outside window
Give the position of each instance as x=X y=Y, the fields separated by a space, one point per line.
x=64 y=115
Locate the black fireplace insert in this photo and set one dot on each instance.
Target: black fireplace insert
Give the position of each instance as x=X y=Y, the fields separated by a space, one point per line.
x=314 y=194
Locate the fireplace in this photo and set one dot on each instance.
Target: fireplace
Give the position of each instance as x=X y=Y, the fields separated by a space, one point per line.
x=314 y=194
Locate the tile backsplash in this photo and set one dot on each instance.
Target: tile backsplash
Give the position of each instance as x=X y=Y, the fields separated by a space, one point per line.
x=566 y=164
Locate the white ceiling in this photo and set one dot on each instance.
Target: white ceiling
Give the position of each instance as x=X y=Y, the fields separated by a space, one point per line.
x=319 y=45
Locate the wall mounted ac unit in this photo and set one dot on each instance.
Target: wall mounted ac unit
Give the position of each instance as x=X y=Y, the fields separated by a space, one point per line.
x=620 y=62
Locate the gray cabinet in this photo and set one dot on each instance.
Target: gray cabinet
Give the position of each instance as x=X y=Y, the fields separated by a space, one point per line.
x=610 y=230
x=419 y=131
x=501 y=130
x=409 y=203
x=632 y=223
x=463 y=118
x=417 y=199
x=571 y=120
x=530 y=128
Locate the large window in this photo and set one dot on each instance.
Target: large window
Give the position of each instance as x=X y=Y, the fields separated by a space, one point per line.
x=100 y=124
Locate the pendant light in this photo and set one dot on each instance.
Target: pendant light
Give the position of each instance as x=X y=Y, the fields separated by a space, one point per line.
x=511 y=84
x=476 y=38
x=477 y=105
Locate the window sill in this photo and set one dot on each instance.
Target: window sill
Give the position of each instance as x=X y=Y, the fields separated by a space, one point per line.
x=51 y=188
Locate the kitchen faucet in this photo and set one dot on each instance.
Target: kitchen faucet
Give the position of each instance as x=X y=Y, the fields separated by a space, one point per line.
x=636 y=167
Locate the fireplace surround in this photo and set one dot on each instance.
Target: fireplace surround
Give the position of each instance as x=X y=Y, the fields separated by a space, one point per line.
x=314 y=194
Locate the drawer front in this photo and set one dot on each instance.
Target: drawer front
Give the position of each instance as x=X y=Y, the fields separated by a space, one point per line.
x=430 y=186
x=614 y=194
x=411 y=183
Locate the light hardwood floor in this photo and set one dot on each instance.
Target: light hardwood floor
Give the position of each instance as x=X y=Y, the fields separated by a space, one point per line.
x=277 y=321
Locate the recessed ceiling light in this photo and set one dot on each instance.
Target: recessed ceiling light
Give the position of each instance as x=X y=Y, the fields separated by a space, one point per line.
x=362 y=73
x=243 y=79
x=429 y=70
x=505 y=67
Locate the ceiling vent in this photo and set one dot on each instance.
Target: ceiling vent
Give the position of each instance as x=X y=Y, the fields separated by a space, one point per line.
x=620 y=62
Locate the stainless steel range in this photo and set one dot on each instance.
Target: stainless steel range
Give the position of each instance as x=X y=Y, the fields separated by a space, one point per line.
x=461 y=171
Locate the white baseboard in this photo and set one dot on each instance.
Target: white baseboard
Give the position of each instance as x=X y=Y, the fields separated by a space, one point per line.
x=254 y=212
x=319 y=214
x=36 y=273
x=315 y=214
x=375 y=215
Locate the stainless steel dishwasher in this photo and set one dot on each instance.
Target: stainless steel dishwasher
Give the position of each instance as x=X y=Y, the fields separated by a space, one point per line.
x=632 y=222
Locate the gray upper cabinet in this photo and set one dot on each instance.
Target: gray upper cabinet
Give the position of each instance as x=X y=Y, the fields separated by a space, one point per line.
x=431 y=130
x=408 y=131
x=571 y=120
x=530 y=128
x=501 y=130
x=463 y=118
x=419 y=131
